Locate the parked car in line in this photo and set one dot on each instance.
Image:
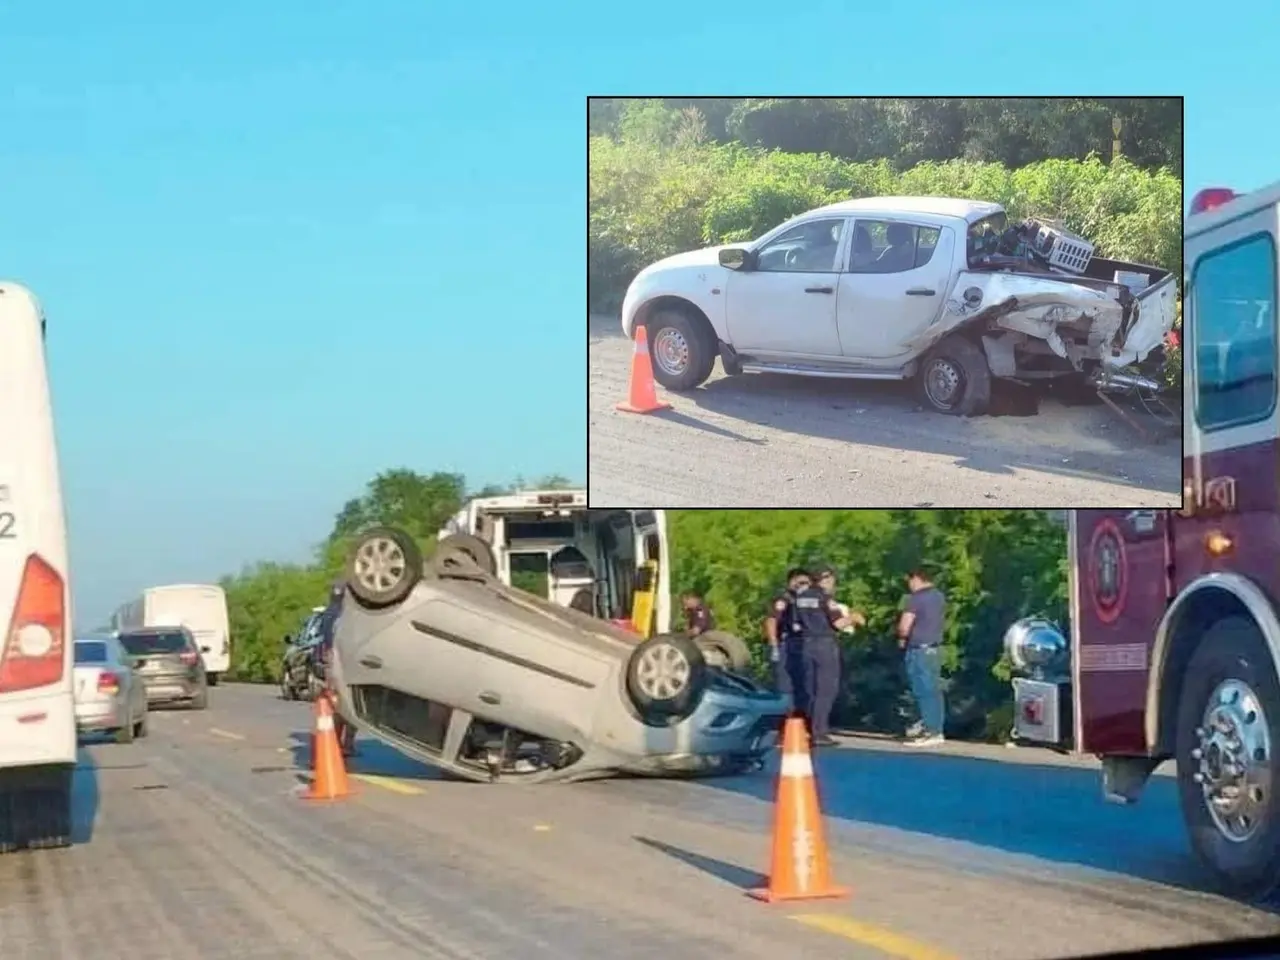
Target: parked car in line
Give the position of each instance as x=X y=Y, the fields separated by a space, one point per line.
x=168 y=661
x=109 y=695
x=454 y=668
x=944 y=292
x=299 y=676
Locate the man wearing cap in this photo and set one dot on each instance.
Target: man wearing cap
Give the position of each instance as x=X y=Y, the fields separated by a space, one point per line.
x=821 y=617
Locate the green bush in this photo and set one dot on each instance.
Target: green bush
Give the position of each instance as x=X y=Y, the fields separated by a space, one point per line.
x=648 y=201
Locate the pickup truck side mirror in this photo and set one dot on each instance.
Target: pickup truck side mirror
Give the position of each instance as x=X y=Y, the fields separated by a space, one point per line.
x=737 y=258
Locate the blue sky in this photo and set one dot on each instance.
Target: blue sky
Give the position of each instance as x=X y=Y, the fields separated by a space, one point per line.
x=283 y=246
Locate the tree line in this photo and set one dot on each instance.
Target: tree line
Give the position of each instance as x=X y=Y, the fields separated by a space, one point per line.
x=994 y=565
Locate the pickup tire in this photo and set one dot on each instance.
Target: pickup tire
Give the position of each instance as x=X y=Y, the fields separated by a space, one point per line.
x=666 y=677
x=384 y=566
x=682 y=348
x=1232 y=672
x=461 y=554
x=955 y=378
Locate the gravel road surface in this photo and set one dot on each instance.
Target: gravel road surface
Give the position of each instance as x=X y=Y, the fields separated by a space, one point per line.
x=192 y=843
x=764 y=440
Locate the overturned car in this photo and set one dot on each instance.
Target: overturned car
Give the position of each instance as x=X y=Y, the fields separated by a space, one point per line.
x=944 y=292
x=448 y=665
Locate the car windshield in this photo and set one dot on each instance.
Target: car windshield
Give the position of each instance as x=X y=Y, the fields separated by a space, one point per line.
x=91 y=651
x=143 y=644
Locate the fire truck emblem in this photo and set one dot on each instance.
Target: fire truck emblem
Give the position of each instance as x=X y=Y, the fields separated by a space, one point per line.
x=1108 y=571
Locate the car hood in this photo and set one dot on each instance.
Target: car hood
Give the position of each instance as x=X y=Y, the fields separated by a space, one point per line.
x=706 y=257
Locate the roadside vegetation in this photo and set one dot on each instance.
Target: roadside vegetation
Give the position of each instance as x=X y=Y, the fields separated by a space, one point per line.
x=667 y=176
x=995 y=565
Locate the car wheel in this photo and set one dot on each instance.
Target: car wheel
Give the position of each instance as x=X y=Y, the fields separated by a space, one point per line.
x=725 y=649
x=140 y=728
x=682 y=352
x=462 y=555
x=37 y=815
x=213 y=679
x=384 y=566
x=125 y=733
x=955 y=378
x=666 y=676
x=286 y=687
x=1228 y=780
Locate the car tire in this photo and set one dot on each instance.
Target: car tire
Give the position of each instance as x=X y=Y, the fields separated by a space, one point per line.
x=666 y=677
x=384 y=566
x=462 y=555
x=140 y=728
x=724 y=648
x=955 y=378
x=37 y=815
x=286 y=687
x=682 y=352
x=125 y=734
x=214 y=678
x=1232 y=659
x=201 y=700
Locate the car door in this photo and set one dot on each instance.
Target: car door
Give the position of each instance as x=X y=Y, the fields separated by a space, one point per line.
x=786 y=305
x=890 y=293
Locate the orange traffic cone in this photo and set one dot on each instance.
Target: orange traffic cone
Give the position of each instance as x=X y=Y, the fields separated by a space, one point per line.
x=801 y=868
x=330 y=779
x=643 y=395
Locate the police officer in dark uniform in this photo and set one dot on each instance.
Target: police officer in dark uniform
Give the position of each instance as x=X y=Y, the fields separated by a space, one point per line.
x=786 y=641
x=820 y=618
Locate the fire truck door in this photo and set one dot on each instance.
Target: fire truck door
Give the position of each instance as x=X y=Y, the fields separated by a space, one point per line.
x=1121 y=593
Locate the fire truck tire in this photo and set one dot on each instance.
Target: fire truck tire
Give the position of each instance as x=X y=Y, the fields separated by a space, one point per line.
x=1232 y=667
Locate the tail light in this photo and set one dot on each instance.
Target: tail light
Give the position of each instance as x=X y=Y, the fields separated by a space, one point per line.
x=190 y=658
x=34 y=650
x=108 y=682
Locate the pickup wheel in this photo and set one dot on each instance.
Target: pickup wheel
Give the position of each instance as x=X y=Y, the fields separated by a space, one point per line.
x=384 y=566
x=682 y=350
x=1228 y=780
x=461 y=554
x=666 y=676
x=955 y=378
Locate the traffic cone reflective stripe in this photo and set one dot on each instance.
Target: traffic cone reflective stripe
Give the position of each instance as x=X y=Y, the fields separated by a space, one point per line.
x=643 y=394
x=801 y=863
x=330 y=771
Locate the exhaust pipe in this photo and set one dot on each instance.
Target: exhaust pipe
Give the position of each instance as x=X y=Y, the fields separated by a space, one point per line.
x=1113 y=380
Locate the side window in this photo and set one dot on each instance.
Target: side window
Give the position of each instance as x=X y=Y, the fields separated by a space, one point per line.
x=1233 y=323
x=888 y=246
x=806 y=248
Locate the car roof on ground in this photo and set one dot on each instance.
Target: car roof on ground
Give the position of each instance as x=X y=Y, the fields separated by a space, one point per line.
x=970 y=210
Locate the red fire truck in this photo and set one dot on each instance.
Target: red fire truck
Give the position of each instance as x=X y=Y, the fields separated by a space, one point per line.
x=1175 y=614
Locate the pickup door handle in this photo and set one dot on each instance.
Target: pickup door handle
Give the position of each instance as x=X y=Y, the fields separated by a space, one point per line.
x=819 y=290
x=921 y=292
x=373 y=663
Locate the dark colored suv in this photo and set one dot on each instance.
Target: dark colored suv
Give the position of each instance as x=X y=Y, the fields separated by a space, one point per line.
x=167 y=660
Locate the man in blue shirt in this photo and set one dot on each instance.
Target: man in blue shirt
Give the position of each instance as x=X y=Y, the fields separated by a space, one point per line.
x=920 y=635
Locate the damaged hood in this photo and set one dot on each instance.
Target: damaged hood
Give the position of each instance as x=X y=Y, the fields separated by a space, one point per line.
x=1078 y=319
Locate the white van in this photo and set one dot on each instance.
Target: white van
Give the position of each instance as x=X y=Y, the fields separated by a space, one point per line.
x=200 y=607
x=37 y=704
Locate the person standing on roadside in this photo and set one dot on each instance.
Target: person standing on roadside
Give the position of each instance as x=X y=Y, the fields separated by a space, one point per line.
x=786 y=641
x=822 y=617
x=697 y=618
x=920 y=635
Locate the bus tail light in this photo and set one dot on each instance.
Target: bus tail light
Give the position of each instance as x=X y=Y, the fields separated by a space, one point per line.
x=34 y=649
x=1211 y=198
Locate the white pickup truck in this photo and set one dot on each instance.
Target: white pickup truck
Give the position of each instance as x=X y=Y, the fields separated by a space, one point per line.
x=892 y=288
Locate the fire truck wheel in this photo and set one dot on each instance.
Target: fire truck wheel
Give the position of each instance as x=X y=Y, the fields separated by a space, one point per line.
x=1228 y=727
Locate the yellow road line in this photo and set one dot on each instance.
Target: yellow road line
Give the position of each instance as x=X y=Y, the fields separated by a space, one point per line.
x=886 y=941
x=225 y=734
x=389 y=783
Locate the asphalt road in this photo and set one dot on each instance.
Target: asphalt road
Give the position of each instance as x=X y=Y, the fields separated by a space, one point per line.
x=193 y=843
x=764 y=440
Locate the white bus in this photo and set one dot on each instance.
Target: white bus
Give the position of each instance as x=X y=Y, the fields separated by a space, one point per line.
x=37 y=707
x=549 y=542
x=200 y=607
